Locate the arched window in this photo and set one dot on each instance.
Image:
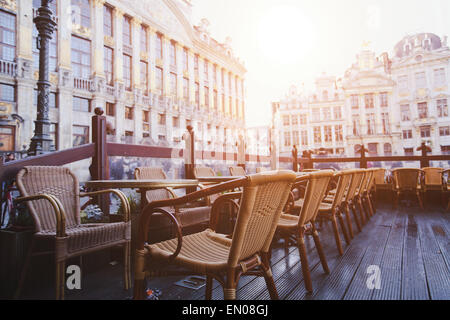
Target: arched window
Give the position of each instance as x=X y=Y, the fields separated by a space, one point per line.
x=325 y=95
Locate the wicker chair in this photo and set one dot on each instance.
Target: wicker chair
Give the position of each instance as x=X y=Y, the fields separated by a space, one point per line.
x=352 y=198
x=380 y=180
x=53 y=198
x=204 y=172
x=328 y=211
x=237 y=171
x=298 y=226
x=216 y=255
x=434 y=181
x=192 y=217
x=408 y=181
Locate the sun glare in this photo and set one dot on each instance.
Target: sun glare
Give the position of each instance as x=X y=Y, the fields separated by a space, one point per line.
x=285 y=34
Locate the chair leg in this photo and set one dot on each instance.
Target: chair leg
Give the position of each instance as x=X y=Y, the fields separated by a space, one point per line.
x=208 y=289
x=349 y=222
x=267 y=272
x=361 y=211
x=337 y=237
x=139 y=276
x=126 y=265
x=355 y=216
x=60 y=279
x=420 y=198
x=24 y=270
x=344 y=229
x=304 y=262
x=319 y=248
x=229 y=290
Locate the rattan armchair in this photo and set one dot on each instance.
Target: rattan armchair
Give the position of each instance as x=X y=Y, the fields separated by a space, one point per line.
x=408 y=181
x=237 y=171
x=298 y=226
x=192 y=217
x=216 y=255
x=433 y=180
x=53 y=198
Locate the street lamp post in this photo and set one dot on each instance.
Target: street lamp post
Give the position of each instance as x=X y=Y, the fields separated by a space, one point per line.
x=42 y=141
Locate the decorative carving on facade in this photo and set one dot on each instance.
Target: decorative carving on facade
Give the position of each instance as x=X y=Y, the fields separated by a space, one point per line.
x=9 y=5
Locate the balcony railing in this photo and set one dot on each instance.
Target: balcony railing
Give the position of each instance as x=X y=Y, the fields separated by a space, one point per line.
x=8 y=67
x=83 y=84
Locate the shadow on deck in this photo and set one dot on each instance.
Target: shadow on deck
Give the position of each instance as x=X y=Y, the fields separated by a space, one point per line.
x=410 y=247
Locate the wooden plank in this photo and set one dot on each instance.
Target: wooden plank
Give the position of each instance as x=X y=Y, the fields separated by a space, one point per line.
x=358 y=289
x=292 y=282
x=391 y=262
x=337 y=282
x=436 y=270
x=414 y=284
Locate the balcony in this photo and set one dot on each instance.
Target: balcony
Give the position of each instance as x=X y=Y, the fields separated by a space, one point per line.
x=83 y=84
x=8 y=68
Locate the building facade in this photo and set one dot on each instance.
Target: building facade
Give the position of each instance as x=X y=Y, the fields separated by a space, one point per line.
x=389 y=105
x=144 y=62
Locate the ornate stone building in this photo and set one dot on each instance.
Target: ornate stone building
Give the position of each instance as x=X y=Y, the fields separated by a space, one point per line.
x=391 y=105
x=143 y=62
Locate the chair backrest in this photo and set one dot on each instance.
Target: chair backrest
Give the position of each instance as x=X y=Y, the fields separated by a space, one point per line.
x=365 y=185
x=204 y=172
x=433 y=176
x=237 y=171
x=407 y=178
x=261 y=169
x=357 y=177
x=310 y=170
x=262 y=201
x=57 y=181
x=344 y=179
x=379 y=176
x=152 y=173
x=314 y=194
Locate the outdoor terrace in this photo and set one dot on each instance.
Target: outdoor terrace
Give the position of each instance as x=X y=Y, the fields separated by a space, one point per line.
x=410 y=246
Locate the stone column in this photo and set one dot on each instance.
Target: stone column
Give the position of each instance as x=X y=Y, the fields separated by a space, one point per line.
x=118 y=73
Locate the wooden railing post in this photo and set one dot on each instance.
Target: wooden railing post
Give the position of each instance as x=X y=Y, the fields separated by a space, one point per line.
x=189 y=155
x=295 y=159
x=99 y=168
x=424 y=161
x=363 y=161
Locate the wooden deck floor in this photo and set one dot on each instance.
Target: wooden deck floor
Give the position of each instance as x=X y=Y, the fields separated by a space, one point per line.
x=411 y=248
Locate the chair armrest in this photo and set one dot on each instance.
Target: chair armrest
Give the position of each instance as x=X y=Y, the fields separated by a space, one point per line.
x=118 y=193
x=176 y=223
x=220 y=201
x=144 y=219
x=58 y=210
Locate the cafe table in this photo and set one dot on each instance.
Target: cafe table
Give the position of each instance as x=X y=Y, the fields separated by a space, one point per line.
x=216 y=179
x=142 y=185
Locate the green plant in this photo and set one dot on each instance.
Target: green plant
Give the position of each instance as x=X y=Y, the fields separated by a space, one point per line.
x=134 y=203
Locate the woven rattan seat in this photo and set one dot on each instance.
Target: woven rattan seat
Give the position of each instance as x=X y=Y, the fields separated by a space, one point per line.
x=53 y=199
x=262 y=199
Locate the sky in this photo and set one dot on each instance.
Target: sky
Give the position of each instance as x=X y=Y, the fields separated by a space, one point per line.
x=291 y=42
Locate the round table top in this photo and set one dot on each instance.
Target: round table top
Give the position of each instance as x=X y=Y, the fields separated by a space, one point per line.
x=142 y=184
